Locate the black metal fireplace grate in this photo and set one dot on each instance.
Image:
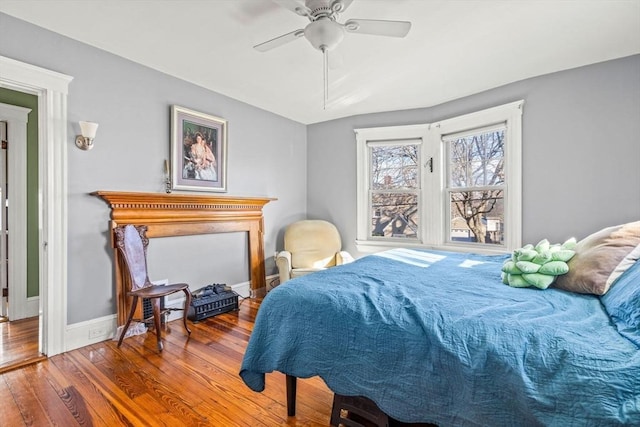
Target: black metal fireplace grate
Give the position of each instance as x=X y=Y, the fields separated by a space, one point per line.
x=212 y=300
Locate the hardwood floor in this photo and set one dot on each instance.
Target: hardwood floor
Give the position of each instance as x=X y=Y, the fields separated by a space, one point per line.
x=192 y=382
x=18 y=343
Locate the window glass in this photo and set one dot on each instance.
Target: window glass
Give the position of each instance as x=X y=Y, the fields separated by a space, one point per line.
x=394 y=215
x=477 y=217
x=394 y=167
x=394 y=199
x=476 y=181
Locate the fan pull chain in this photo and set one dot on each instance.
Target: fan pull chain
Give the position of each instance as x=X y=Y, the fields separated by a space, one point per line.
x=325 y=72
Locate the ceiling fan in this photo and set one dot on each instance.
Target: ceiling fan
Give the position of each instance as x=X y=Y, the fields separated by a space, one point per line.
x=324 y=32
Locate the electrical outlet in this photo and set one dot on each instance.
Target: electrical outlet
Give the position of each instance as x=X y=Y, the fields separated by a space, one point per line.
x=97 y=332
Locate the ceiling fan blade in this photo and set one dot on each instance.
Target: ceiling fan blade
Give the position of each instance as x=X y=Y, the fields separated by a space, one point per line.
x=378 y=27
x=295 y=7
x=339 y=6
x=279 y=41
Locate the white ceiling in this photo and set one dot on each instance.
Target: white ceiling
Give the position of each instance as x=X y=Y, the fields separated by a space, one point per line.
x=454 y=48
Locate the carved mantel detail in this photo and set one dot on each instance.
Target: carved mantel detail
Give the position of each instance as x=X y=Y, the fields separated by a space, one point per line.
x=182 y=215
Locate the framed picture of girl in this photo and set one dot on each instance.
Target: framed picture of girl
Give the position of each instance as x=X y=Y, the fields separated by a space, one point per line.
x=198 y=151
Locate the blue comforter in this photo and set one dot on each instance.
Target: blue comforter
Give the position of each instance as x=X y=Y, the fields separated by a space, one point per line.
x=436 y=337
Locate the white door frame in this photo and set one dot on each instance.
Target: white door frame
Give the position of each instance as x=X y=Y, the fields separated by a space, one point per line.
x=3 y=219
x=16 y=118
x=51 y=88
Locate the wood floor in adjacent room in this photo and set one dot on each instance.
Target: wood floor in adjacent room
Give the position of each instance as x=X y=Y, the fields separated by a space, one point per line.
x=192 y=382
x=18 y=344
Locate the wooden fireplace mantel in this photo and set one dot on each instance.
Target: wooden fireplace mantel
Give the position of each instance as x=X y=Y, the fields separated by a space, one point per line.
x=184 y=214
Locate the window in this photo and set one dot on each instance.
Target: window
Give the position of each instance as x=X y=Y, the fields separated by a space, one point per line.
x=451 y=184
x=394 y=189
x=475 y=186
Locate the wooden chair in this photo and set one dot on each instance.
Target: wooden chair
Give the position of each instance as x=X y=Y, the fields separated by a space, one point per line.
x=132 y=242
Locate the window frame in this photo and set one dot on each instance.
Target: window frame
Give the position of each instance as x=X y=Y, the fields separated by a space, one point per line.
x=433 y=223
x=366 y=138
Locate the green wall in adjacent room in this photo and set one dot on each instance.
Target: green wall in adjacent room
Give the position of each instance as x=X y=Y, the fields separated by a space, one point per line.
x=29 y=101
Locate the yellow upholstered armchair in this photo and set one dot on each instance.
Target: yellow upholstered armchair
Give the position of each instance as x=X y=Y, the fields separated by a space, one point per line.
x=310 y=245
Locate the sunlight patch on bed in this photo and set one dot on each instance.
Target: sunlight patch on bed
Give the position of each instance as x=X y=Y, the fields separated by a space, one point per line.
x=409 y=256
x=469 y=263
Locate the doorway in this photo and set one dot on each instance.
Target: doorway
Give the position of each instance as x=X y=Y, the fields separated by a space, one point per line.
x=19 y=334
x=51 y=89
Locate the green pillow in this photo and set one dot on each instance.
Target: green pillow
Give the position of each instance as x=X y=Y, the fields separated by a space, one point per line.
x=528 y=266
x=509 y=267
x=538 y=265
x=563 y=255
x=543 y=245
x=517 y=281
x=542 y=257
x=570 y=244
x=554 y=268
x=524 y=254
x=540 y=281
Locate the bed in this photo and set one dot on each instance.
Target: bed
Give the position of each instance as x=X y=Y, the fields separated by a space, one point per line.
x=436 y=337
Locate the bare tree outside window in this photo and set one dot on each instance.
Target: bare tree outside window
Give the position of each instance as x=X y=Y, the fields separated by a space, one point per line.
x=476 y=187
x=394 y=191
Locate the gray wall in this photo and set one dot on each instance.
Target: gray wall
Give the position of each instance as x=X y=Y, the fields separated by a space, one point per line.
x=581 y=151
x=581 y=158
x=266 y=157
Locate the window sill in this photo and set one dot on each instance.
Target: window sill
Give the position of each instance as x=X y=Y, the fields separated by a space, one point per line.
x=373 y=246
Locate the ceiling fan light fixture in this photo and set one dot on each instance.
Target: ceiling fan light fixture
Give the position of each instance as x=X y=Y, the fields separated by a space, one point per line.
x=324 y=34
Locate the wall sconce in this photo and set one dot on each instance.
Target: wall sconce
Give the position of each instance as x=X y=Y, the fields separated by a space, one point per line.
x=88 y=130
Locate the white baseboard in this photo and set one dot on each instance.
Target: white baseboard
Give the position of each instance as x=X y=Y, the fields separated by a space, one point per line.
x=175 y=303
x=103 y=328
x=243 y=289
x=33 y=306
x=90 y=332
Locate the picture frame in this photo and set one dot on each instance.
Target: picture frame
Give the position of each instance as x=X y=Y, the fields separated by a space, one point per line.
x=198 y=151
